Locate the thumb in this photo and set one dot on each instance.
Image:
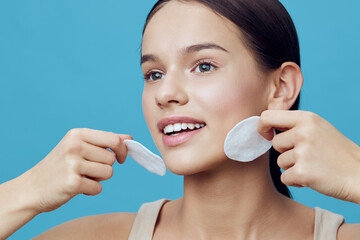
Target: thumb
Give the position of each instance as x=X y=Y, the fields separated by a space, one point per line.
x=125 y=136
x=121 y=152
x=265 y=129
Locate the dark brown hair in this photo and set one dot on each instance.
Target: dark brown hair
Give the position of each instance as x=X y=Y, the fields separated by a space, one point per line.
x=269 y=33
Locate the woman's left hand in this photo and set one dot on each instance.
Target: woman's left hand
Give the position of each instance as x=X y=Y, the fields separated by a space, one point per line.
x=313 y=153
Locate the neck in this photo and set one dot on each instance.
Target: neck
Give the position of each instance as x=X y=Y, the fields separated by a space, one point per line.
x=234 y=194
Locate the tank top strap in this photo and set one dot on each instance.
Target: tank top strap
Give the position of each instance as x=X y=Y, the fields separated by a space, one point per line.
x=144 y=224
x=326 y=224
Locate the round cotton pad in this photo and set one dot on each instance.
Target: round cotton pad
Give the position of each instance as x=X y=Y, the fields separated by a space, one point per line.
x=145 y=157
x=243 y=143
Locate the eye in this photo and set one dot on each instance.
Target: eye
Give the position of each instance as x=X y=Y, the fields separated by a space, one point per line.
x=153 y=76
x=203 y=67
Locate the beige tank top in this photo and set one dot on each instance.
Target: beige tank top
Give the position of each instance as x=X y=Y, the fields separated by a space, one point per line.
x=326 y=223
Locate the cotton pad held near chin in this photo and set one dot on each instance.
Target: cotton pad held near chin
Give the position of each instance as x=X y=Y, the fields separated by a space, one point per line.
x=243 y=143
x=145 y=157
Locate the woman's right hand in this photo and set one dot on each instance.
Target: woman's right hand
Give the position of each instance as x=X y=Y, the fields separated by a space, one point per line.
x=75 y=166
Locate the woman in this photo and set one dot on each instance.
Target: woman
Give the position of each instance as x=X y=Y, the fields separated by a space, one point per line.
x=212 y=64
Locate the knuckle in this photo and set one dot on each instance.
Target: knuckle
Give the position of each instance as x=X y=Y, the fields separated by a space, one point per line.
x=305 y=136
x=73 y=184
x=74 y=133
x=307 y=131
x=300 y=134
x=301 y=175
x=311 y=117
x=73 y=165
x=297 y=154
x=74 y=147
x=300 y=112
x=300 y=171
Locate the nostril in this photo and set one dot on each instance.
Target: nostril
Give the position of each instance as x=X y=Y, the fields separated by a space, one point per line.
x=162 y=104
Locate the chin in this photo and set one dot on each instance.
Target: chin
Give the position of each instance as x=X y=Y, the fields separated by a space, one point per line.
x=189 y=165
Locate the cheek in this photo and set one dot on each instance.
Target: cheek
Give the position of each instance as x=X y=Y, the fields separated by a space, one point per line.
x=230 y=101
x=148 y=109
x=145 y=105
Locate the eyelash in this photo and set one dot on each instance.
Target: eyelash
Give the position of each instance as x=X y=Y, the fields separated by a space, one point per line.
x=148 y=74
x=206 y=61
x=197 y=64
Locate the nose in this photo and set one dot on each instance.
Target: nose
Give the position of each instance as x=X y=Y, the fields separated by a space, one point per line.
x=171 y=91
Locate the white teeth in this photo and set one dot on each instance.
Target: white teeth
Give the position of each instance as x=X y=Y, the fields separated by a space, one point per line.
x=170 y=128
x=177 y=127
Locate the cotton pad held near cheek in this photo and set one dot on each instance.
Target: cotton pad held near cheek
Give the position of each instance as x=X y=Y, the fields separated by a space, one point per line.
x=243 y=143
x=145 y=157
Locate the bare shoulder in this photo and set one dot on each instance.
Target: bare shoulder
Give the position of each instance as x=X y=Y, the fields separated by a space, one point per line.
x=105 y=226
x=349 y=231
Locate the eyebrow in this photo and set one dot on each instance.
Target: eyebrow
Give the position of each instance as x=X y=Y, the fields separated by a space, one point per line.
x=190 y=49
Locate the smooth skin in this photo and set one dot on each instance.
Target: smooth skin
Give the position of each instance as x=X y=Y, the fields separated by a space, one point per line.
x=223 y=199
x=304 y=167
x=75 y=166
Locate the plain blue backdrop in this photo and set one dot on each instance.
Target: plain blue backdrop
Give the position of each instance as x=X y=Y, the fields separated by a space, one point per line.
x=69 y=64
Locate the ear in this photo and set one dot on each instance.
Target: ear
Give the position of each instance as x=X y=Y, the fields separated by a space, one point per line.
x=286 y=85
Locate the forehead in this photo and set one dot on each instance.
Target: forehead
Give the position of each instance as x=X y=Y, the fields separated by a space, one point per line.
x=179 y=24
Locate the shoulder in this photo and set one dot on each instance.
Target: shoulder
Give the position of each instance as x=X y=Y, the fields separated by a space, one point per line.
x=105 y=226
x=349 y=231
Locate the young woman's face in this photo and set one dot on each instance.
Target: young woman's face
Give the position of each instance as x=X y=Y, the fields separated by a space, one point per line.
x=197 y=71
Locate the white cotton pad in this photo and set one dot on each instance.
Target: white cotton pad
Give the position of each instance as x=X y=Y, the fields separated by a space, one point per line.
x=145 y=157
x=243 y=143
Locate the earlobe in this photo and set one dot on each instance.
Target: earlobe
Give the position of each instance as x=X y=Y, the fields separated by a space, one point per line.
x=287 y=83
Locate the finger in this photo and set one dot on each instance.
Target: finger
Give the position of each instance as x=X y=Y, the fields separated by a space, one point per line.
x=106 y=140
x=100 y=138
x=286 y=160
x=284 y=141
x=278 y=119
x=97 y=154
x=90 y=187
x=121 y=150
x=96 y=171
x=289 y=178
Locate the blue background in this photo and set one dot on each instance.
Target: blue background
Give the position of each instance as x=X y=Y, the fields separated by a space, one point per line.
x=68 y=64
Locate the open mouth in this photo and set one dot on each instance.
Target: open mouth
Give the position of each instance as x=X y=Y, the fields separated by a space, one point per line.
x=179 y=128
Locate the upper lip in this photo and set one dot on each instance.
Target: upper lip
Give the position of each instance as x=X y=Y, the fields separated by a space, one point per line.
x=176 y=119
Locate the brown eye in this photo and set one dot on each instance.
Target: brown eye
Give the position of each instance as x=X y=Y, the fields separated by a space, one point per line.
x=153 y=76
x=204 y=67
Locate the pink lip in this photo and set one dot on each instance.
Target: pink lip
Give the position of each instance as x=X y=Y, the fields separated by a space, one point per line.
x=172 y=141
